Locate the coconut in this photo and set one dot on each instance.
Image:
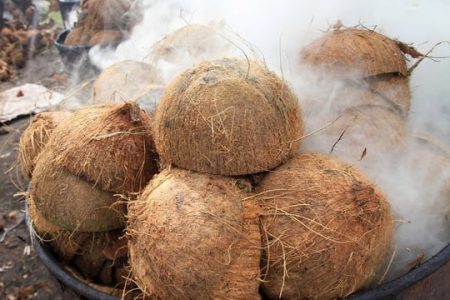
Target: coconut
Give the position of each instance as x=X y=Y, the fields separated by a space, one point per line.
x=128 y=80
x=362 y=136
x=355 y=54
x=109 y=145
x=194 y=236
x=105 y=37
x=72 y=203
x=327 y=229
x=104 y=14
x=77 y=36
x=228 y=117
x=193 y=42
x=36 y=136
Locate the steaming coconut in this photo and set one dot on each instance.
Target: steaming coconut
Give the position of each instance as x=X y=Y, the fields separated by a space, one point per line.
x=228 y=117
x=128 y=80
x=364 y=57
x=195 y=236
x=362 y=136
x=193 y=42
x=35 y=137
x=72 y=203
x=326 y=228
x=109 y=145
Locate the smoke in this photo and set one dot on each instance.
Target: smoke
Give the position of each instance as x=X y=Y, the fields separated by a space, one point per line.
x=275 y=31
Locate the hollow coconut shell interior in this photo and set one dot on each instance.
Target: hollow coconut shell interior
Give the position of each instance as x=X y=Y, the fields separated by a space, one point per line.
x=195 y=236
x=35 y=137
x=72 y=203
x=227 y=117
x=110 y=146
x=326 y=229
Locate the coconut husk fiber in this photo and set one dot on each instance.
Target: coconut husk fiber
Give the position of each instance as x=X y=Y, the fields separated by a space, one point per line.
x=127 y=80
x=104 y=14
x=35 y=137
x=326 y=228
x=362 y=136
x=194 y=42
x=100 y=257
x=110 y=146
x=195 y=236
x=349 y=51
x=228 y=117
x=72 y=203
x=355 y=54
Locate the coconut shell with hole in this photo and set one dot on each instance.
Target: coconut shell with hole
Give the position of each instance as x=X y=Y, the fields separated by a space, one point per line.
x=36 y=136
x=110 y=146
x=228 y=117
x=195 y=236
x=326 y=229
x=128 y=80
x=362 y=136
x=72 y=203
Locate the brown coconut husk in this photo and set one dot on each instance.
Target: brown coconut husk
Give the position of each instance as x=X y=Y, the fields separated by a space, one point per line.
x=194 y=236
x=104 y=37
x=108 y=145
x=126 y=80
x=78 y=36
x=104 y=14
x=194 y=41
x=352 y=50
x=228 y=117
x=362 y=136
x=35 y=137
x=355 y=54
x=327 y=229
x=100 y=257
x=72 y=203
x=5 y=72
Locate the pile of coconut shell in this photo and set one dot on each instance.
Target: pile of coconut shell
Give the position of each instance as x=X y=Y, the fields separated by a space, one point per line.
x=102 y=22
x=214 y=191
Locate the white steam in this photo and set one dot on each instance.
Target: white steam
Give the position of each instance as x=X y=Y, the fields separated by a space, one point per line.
x=277 y=30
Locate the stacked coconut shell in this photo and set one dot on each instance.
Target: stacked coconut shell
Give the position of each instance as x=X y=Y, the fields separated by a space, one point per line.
x=371 y=95
x=101 y=22
x=237 y=210
x=84 y=166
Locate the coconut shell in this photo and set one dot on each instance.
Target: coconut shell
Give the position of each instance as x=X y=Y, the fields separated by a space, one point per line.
x=194 y=236
x=36 y=136
x=71 y=202
x=109 y=145
x=105 y=37
x=228 y=117
x=362 y=136
x=346 y=52
x=127 y=80
x=193 y=41
x=327 y=229
x=104 y=14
